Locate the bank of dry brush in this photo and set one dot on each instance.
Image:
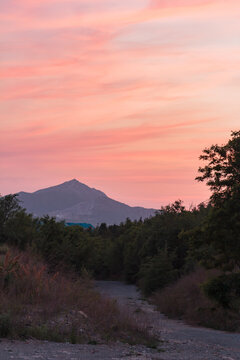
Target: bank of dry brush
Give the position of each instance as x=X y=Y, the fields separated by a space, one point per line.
x=57 y=306
x=185 y=299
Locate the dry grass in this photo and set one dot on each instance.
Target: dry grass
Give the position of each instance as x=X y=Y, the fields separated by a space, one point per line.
x=185 y=300
x=60 y=307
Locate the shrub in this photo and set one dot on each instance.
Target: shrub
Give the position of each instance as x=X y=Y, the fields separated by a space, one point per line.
x=156 y=273
x=186 y=300
x=224 y=289
x=57 y=306
x=5 y=325
x=4 y=249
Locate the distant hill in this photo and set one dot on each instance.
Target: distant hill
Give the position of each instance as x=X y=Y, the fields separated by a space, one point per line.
x=75 y=202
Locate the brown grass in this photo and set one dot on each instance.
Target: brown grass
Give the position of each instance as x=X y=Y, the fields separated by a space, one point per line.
x=185 y=300
x=60 y=307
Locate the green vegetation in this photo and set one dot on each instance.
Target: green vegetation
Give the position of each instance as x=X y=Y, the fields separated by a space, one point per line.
x=158 y=254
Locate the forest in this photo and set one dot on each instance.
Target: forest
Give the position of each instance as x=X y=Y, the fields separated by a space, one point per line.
x=186 y=260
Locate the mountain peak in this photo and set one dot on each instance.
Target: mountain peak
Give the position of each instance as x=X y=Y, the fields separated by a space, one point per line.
x=73 y=181
x=74 y=184
x=79 y=203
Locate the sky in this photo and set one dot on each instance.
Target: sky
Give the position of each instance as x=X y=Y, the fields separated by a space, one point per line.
x=122 y=95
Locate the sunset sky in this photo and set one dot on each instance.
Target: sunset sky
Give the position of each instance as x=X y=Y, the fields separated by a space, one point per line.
x=122 y=95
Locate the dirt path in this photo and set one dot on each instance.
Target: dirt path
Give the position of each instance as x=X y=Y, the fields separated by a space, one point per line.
x=180 y=341
x=44 y=350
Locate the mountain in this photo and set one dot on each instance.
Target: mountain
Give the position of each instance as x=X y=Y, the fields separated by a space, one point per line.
x=75 y=202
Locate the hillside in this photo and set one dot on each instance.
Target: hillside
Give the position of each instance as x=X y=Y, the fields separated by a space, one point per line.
x=76 y=202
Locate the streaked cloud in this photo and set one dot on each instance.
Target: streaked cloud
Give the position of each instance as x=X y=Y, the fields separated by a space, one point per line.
x=122 y=95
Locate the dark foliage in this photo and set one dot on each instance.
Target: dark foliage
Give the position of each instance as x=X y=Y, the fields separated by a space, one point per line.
x=225 y=290
x=222 y=172
x=151 y=253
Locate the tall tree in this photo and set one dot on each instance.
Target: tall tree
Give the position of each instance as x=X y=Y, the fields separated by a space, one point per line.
x=222 y=172
x=9 y=207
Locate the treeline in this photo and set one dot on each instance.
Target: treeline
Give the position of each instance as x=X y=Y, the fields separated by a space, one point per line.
x=151 y=253
x=154 y=252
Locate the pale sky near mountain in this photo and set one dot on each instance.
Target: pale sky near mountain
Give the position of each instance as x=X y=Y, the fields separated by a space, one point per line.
x=122 y=95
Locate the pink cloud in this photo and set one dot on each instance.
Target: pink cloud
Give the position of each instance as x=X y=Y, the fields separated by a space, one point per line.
x=42 y=139
x=109 y=90
x=155 y=4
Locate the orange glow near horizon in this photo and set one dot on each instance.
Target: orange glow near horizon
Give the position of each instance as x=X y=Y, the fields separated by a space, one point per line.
x=121 y=95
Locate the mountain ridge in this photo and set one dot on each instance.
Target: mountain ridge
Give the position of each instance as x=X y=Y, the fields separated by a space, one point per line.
x=74 y=201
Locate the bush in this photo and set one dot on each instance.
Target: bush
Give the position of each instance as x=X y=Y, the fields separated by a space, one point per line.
x=156 y=273
x=186 y=300
x=224 y=289
x=56 y=306
x=5 y=325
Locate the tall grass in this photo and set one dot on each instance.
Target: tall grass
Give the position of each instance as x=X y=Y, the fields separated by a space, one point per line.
x=186 y=300
x=60 y=307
